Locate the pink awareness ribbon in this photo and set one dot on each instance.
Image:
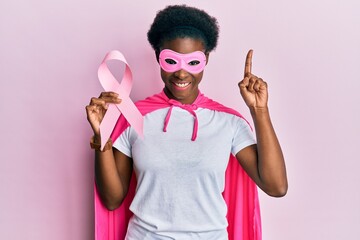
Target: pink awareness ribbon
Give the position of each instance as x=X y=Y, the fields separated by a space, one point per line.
x=126 y=107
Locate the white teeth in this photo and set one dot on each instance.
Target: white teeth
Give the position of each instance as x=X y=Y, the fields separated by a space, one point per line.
x=182 y=85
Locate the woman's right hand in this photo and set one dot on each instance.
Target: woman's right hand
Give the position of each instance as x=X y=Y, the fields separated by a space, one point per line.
x=97 y=108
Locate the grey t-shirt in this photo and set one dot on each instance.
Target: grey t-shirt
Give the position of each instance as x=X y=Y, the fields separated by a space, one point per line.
x=180 y=181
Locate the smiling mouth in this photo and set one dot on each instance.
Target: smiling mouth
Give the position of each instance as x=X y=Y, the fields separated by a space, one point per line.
x=182 y=85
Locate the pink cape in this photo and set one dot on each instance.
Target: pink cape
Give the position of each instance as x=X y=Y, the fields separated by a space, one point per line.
x=240 y=191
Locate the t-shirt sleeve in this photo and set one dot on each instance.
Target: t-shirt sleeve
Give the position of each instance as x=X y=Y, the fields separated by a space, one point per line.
x=243 y=136
x=122 y=143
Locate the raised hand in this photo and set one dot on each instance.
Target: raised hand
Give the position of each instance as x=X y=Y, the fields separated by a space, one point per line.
x=97 y=108
x=253 y=89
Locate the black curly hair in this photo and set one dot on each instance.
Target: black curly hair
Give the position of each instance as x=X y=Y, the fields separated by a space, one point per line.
x=181 y=21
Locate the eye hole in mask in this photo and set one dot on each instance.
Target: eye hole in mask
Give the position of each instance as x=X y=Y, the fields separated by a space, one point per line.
x=193 y=63
x=171 y=61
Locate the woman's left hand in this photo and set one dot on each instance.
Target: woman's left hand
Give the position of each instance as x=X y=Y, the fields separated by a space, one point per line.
x=263 y=162
x=254 y=90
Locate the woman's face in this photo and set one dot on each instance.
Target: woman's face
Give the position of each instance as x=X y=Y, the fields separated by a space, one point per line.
x=182 y=85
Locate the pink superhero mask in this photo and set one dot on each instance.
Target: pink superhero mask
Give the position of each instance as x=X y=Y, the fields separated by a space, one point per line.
x=171 y=61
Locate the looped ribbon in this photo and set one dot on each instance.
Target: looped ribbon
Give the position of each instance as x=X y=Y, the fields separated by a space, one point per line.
x=188 y=107
x=126 y=107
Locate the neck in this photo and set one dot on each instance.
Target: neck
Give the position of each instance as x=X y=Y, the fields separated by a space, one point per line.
x=183 y=101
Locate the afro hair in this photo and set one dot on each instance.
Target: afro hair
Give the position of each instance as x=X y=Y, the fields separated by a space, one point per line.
x=181 y=21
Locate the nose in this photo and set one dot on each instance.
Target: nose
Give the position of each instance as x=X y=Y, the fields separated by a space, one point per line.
x=181 y=74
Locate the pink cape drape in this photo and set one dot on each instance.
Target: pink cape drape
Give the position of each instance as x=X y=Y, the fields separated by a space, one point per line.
x=240 y=192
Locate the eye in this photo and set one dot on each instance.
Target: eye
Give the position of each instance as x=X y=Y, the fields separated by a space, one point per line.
x=193 y=63
x=170 y=61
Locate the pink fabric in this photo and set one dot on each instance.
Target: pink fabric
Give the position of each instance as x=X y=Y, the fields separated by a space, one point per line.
x=182 y=61
x=188 y=107
x=240 y=192
x=127 y=107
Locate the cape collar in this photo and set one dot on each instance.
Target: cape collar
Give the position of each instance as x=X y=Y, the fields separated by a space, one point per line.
x=160 y=100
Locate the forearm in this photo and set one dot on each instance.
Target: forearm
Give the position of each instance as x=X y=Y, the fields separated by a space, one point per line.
x=271 y=164
x=107 y=179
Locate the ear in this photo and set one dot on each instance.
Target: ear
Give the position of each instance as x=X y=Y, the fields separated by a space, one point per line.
x=207 y=57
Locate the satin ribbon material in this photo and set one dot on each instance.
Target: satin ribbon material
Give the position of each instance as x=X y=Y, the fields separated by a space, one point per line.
x=126 y=107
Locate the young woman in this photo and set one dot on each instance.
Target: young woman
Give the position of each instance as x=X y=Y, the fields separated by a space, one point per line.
x=180 y=163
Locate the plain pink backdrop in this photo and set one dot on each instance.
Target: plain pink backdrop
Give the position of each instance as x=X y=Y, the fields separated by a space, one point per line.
x=308 y=52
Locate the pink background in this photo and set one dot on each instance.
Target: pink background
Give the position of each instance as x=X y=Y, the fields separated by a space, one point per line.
x=308 y=52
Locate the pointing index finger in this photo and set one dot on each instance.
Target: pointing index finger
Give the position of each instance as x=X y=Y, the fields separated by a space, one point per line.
x=248 y=63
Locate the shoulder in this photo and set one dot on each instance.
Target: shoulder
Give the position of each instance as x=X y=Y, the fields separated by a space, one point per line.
x=226 y=111
x=152 y=103
x=214 y=105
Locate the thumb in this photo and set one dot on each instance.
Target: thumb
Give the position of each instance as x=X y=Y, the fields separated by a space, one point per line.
x=243 y=84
